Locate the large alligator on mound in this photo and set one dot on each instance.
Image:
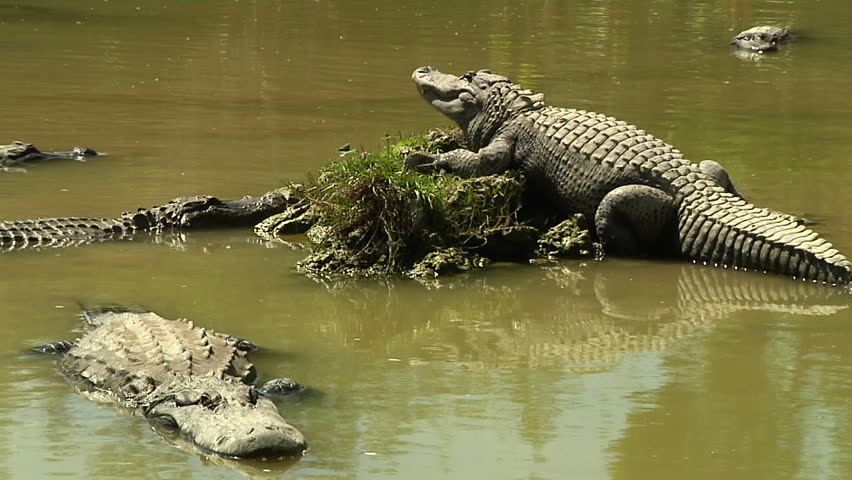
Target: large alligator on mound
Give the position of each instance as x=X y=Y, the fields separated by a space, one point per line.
x=19 y=153
x=179 y=214
x=761 y=39
x=183 y=379
x=641 y=194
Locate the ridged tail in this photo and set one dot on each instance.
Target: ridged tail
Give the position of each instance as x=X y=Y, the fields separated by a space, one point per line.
x=58 y=232
x=717 y=227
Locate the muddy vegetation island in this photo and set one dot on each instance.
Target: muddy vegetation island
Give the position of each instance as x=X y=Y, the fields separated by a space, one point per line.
x=364 y=216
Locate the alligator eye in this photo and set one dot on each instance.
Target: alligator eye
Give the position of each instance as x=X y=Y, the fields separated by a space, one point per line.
x=164 y=423
x=207 y=401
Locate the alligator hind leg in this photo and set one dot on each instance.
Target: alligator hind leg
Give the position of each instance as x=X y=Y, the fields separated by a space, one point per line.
x=635 y=220
x=717 y=172
x=719 y=175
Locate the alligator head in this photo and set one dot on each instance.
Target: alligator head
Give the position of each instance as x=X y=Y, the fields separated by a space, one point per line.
x=21 y=152
x=18 y=152
x=202 y=211
x=760 y=39
x=459 y=98
x=479 y=102
x=226 y=418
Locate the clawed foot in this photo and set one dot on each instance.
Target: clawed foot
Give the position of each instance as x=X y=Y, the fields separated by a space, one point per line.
x=421 y=162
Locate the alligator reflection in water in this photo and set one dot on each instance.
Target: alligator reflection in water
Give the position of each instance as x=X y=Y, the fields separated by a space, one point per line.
x=581 y=319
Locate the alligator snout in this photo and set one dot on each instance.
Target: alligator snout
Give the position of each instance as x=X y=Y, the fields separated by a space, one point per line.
x=429 y=79
x=425 y=80
x=426 y=70
x=232 y=429
x=268 y=441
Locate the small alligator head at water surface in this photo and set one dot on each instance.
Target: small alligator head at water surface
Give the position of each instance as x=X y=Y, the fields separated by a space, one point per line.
x=643 y=197
x=21 y=153
x=761 y=39
x=191 y=384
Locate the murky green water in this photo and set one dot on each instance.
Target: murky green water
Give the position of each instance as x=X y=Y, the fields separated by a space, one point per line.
x=621 y=369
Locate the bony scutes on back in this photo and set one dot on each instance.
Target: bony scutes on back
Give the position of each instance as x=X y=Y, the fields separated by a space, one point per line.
x=641 y=194
x=187 y=381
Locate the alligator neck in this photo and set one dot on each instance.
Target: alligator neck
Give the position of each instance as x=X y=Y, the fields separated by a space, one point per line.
x=501 y=103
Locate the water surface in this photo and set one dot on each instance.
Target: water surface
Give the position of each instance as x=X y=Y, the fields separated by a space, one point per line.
x=613 y=370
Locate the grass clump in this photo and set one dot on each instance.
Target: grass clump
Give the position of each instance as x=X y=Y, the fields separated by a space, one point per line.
x=375 y=218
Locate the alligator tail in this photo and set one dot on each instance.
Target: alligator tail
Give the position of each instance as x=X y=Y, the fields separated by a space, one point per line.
x=59 y=232
x=719 y=228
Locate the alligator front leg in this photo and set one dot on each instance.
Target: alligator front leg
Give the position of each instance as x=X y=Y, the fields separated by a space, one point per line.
x=636 y=218
x=494 y=158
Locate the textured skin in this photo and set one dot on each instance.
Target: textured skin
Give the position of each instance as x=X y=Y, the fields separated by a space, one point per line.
x=183 y=213
x=761 y=39
x=181 y=378
x=642 y=195
x=59 y=232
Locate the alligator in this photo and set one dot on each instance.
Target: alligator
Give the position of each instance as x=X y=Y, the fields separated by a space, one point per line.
x=185 y=380
x=761 y=39
x=640 y=194
x=18 y=153
x=194 y=212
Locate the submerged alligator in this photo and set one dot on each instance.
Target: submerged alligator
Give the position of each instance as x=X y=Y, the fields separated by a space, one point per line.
x=19 y=153
x=179 y=214
x=640 y=194
x=761 y=39
x=183 y=379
